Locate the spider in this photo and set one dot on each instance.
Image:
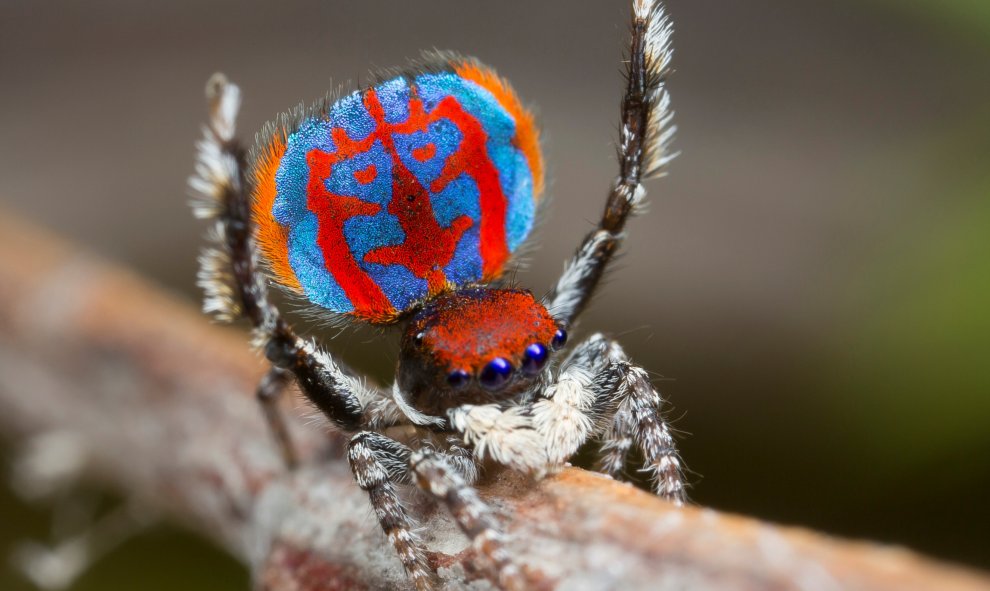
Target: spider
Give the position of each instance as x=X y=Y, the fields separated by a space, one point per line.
x=403 y=203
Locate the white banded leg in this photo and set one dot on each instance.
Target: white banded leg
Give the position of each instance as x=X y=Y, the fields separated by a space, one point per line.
x=646 y=133
x=638 y=420
x=379 y=464
x=437 y=474
x=599 y=393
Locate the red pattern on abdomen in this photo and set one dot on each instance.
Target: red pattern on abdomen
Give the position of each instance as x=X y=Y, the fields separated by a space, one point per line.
x=427 y=247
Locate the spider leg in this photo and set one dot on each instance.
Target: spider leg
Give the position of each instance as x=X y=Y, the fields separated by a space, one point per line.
x=231 y=274
x=438 y=475
x=640 y=421
x=379 y=464
x=574 y=407
x=599 y=393
x=269 y=392
x=643 y=152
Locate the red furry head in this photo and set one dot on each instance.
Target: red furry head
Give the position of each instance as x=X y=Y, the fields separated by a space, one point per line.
x=475 y=345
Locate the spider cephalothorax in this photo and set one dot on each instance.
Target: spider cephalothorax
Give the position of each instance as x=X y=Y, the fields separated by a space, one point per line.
x=405 y=201
x=476 y=346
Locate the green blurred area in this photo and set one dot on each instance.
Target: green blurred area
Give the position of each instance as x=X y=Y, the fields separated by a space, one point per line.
x=966 y=17
x=907 y=369
x=874 y=422
x=917 y=339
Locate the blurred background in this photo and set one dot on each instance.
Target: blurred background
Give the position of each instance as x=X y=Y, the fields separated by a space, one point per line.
x=810 y=286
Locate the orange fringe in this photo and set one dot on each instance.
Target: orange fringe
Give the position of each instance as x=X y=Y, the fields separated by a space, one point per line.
x=273 y=237
x=527 y=136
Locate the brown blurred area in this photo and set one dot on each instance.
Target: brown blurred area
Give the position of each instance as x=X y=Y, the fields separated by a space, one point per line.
x=810 y=284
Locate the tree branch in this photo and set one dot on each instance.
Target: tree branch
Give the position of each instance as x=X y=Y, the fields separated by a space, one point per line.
x=159 y=405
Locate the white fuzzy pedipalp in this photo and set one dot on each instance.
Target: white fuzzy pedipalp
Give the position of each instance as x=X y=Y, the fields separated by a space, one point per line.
x=562 y=418
x=506 y=436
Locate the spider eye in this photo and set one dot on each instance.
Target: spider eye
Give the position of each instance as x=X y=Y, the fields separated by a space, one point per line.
x=418 y=339
x=496 y=374
x=534 y=359
x=559 y=339
x=458 y=378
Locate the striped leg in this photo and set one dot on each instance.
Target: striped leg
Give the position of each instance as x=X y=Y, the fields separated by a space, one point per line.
x=643 y=152
x=574 y=408
x=438 y=475
x=639 y=415
x=638 y=420
x=599 y=393
x=379 y=464
x=231 y=275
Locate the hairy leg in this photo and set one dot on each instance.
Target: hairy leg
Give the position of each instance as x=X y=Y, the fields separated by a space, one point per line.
x=231 y=274
x=437 y=474
x=639 y=416
x=379 y=464
x=598 y=392
x=578 y=403
x=646 y=132
x=639 y=421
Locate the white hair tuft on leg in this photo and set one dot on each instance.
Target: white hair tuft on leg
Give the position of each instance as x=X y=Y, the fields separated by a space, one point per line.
x=215 y=181
x=658 y=53
x=217 y=282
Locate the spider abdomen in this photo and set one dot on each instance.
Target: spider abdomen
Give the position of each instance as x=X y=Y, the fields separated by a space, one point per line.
x=395 y=193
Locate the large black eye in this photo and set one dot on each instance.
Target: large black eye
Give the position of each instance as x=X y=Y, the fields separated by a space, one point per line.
x=559 y=339
x=496 y=373
x=418 y=339
x=534 y=358
x=458 y=378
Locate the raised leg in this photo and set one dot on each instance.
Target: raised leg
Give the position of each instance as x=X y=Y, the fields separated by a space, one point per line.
x=646 y=132
x=379 y=464
x=230 y=271
x=438 y=475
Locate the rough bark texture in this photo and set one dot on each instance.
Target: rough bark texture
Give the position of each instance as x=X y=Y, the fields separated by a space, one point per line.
x=159 y=405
